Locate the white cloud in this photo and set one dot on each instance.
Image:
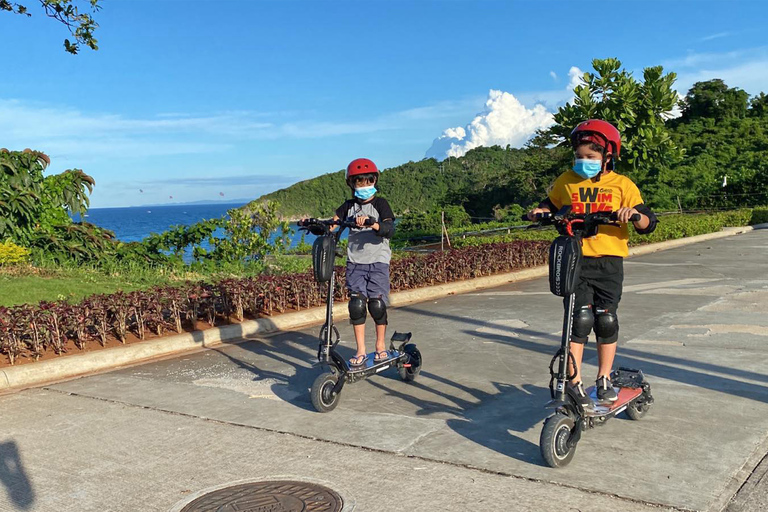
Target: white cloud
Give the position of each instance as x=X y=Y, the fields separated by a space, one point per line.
x=751 y=76
x=504 y=121
x=575 y=77
x=714 y=36
x=553 y=75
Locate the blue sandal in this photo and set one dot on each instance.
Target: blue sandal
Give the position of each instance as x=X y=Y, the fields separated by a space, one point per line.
x=379 y=359
x=358 y=360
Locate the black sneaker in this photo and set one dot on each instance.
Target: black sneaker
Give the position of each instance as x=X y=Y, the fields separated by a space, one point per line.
x=582 y=398
x=605 y=391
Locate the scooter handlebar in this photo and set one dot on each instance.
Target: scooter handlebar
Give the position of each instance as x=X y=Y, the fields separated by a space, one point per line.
x=606 y=215
x=319 y=226
x=537 y=217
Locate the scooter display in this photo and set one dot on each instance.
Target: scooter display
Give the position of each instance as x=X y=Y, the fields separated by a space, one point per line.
x=403 y=354
x=563 y=429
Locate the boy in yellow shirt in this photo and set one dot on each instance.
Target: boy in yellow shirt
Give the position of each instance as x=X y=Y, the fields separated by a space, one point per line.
x=591 y=186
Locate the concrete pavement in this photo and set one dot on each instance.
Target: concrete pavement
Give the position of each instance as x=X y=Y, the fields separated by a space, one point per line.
x=463 y=436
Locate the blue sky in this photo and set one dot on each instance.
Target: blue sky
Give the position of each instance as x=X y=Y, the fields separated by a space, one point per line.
x=192 y=99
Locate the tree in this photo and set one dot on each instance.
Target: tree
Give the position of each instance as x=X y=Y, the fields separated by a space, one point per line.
x=714 y=99
x=638 y=109
x=758 y=107
x=69 y=12
x=34 y=209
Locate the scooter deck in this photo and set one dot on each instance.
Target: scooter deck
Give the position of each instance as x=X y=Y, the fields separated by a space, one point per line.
x=370 y=363
x=601 y=408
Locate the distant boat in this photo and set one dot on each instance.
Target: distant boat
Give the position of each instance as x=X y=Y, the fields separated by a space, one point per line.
x=149 y=211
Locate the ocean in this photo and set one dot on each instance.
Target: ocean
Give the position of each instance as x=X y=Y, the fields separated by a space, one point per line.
x=135 y=223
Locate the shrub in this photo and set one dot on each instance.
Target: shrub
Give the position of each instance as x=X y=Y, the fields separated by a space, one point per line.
x=29 y=331
x=12 y=254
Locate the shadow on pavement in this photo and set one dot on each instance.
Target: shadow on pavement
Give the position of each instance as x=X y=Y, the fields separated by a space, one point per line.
x=14 y=477
x=668 y=367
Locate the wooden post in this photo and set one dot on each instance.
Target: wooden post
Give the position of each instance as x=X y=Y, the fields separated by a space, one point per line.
x=442 y=231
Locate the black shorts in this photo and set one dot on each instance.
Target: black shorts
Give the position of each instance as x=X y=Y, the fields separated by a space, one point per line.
x=600 y=283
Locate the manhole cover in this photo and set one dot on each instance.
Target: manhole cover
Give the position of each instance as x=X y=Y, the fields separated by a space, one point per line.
x=269 y=496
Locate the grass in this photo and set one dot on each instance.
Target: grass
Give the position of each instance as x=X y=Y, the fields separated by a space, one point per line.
x=31 y=284
x=27 y=284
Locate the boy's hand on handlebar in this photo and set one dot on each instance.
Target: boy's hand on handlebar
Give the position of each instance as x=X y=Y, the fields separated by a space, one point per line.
x=532 y=214
x=625 y=214
x=361 y=220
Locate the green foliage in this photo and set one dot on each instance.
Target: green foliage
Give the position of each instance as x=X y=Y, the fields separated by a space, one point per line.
x=430 y=222
x=246 y=235
x=759 y=216
x=758 y=106
x=79 y=242
x=510 y=213
x=672 y=227
x=12 y=254
x=638 y=109
x=71 y=13
x=482 y=179
x=735 y=147
x=714 y=99
x=34 y=209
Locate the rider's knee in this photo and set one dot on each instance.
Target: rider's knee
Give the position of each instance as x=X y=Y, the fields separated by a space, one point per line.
x=378 y=310
x=606 y=326
x=357 y=311
x=583 y=321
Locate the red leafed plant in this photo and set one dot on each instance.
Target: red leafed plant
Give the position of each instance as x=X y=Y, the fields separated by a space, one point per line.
x=29 y=331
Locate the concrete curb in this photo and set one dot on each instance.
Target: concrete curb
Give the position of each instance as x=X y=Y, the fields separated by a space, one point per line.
x=35 y=374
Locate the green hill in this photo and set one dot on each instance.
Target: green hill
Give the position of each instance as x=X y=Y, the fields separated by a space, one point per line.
x=721 y=132
x=480 y=180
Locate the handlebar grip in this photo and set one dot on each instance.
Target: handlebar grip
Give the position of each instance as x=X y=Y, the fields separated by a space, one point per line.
x=634 y=218
x=306 y=222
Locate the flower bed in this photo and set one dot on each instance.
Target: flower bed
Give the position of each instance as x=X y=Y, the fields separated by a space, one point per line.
x=32 y=332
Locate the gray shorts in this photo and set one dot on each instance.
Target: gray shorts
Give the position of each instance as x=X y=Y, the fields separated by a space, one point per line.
x=370 y=280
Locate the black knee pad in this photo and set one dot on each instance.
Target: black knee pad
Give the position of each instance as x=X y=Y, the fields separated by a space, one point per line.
x=356 y=309
x=606 y=326
x=378 y=310
x=583 y=320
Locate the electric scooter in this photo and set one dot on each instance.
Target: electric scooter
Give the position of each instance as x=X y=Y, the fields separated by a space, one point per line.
x=404 y=356
x=563 y=429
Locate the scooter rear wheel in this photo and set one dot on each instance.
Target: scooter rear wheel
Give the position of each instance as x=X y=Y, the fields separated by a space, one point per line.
x=322 y=395
x=409 y=373
x=555 y=449
x=636 y=410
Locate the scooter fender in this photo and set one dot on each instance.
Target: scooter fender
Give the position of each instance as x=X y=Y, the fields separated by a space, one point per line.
x=557 y=404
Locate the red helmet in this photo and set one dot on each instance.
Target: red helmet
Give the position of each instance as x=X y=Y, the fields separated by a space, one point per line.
x=361 y=166
x=602 y=133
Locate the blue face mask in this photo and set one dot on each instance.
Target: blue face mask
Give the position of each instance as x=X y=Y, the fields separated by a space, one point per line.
x=364 y=193
x=587 y=168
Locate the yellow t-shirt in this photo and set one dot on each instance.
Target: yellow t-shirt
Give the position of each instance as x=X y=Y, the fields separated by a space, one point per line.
x=612 y=192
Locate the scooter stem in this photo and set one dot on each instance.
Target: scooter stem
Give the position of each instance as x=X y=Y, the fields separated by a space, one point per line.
x=329 y=316
x=565 y=348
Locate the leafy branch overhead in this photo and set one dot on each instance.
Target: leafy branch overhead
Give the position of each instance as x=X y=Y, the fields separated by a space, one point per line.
x=72 y=13
x=639 y=109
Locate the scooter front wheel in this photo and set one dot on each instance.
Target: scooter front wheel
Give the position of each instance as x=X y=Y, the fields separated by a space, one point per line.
x=555 y=442
x=323 y=398
x=409 y=373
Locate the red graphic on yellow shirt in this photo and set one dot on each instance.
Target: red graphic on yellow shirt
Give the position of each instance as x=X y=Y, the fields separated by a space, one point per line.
x=590 y=200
